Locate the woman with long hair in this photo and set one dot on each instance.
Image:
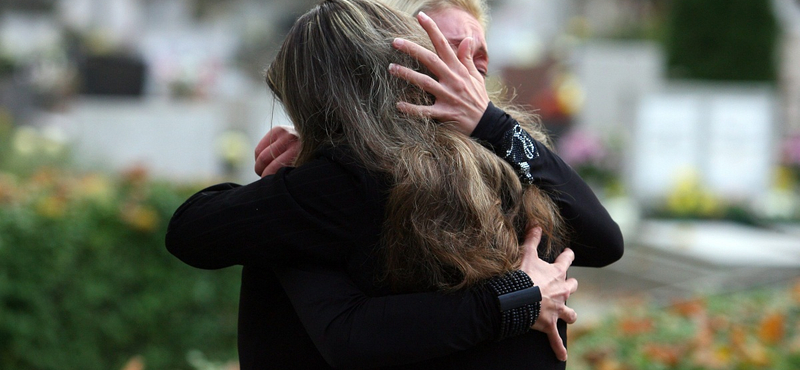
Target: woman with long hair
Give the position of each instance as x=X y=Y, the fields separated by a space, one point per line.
x=400 y=203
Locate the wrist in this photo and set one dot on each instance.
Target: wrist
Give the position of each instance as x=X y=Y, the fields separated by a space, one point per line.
x=519 y=302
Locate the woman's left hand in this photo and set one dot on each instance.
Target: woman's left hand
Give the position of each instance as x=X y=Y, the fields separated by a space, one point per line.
x=460 y=92
x=278 y=148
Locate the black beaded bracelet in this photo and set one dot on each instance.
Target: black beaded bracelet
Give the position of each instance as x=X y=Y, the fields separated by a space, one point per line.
x=519 y=302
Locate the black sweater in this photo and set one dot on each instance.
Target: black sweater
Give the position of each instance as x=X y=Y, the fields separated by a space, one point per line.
x=316 y=229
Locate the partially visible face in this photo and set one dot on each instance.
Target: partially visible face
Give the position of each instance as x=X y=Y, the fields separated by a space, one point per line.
x=456 y=25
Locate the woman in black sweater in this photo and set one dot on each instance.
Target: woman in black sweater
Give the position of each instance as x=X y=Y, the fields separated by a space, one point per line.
x=327 y=219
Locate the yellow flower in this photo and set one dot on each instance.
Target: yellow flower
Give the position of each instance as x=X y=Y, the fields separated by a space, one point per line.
x=569 y=94
x=783 y=178
x=25 y=141
x=51 y=206
x=95 y=187
x=140 y=217
x=689 y=197
x=718 y=358
x=233 y=147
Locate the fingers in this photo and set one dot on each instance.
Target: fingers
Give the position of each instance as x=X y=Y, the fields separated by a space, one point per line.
x=428 y=58
x=280 y=142
x=465 y=56
x=282 y=160
x=568 y=315
x=572 y=285
x=417 y=110
x=440 y=43
x=425 y=82
x=557 y=344
x=565 y=259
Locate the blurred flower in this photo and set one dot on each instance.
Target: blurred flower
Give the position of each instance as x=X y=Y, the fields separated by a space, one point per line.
x=8 y=187
x=136 y=175
x=579 y=148
x=713 y=358
x=666 y=354
x=135 y=363
x=636 y=326
x=29 y=141
x=95 y=187
x=791 y=150
x=25 y=140
x=784 y=178
x=140 y=217
x=589 y=155
x=690 y=198
x=51 y=206
x=45 y=177
x=233 y=147
x=689 y=307
x=772 y=328
x=569 y=94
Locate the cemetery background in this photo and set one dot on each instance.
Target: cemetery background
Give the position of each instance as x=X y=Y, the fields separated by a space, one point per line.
x=113 y=112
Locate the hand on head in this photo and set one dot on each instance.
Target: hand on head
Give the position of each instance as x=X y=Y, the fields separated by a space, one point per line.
x=554 y=286
x=460 y=92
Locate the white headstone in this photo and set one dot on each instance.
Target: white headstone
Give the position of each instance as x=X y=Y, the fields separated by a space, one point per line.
x=738 y=156
x=666 y=142
x=723 y=134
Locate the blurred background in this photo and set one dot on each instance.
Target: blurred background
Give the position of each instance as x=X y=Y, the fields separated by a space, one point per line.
x=683 y=115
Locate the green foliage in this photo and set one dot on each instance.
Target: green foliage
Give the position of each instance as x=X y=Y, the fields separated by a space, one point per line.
x=86 y=282
x=722 y=40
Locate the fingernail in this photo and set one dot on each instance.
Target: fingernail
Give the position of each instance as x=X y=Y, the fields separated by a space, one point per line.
x=392 y=67
x=398 y=42
x=423 y=15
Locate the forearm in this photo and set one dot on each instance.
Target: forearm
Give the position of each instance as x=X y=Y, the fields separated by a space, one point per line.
x=593 y=235
x=353 y=330
x=313 y=212
x=198 y=234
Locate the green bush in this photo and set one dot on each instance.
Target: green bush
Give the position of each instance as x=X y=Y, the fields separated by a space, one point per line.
x=86 y=282
x=722 y=40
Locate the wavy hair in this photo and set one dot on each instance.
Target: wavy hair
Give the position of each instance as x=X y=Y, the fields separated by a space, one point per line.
x=455 y=211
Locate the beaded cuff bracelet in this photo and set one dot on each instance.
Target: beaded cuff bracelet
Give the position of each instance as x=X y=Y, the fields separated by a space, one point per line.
x=519 y=302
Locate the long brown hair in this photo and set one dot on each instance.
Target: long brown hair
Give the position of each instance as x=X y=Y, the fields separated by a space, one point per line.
x=455 y=210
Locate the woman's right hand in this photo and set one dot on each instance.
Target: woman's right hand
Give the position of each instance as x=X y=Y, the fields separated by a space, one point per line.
x=278 y=148
x=554 y=286
x=459 y=87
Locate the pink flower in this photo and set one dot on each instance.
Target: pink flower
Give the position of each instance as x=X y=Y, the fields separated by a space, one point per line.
x=579 y=148
x=791 y=150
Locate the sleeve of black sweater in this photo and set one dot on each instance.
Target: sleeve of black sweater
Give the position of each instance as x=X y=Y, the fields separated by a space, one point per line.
x=313 y=212
x=353 y=330
x=593 y=235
